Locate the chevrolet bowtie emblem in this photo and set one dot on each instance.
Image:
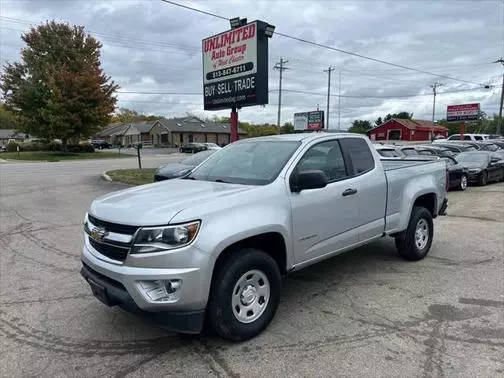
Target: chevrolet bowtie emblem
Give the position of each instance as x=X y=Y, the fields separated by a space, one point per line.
x=98 y=233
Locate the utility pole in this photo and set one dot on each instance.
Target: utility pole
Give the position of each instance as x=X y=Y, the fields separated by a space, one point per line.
x=339 y=101
x=280 y=67
x=499 y=121
x=329 y=69
x=434 y=88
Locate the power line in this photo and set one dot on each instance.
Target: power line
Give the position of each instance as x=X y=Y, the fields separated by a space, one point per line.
x=375 y=97
x=321 y=45
x=160 y=93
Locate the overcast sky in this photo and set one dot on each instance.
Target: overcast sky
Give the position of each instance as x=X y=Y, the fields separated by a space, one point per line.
x=151 y=46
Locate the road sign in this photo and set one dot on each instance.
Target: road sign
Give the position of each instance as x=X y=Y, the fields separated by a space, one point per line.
x=463 y=112
x=235 y=67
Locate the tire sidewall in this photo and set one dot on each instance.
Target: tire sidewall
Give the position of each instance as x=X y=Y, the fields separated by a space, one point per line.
x=484 y=178
x=462 y=187
x=421 y=213
x=220 y=308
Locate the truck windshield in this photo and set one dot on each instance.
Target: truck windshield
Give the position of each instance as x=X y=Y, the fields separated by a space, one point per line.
x=249 y=163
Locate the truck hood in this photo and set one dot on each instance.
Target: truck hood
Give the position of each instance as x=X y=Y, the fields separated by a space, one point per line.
x=156 y=204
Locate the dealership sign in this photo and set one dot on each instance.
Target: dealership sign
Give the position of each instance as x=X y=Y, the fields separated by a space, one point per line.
x=309 y=120
x=235 y=67
x=463 y=112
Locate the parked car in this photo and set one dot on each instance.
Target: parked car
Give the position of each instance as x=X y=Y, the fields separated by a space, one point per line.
x=434 y=150
x=3 y=148
x=469 y=136
x=455 y=147
x=216 y=243
x=213 y=146
x=457 y=174
x=482 y=166
x=177 y=170
x=498 y=142
x=193 y=147
x=408 y=150
x=101 y=144
x=388 y=151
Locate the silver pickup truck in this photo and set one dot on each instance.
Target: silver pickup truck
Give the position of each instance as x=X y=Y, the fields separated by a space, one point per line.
x=213 y=245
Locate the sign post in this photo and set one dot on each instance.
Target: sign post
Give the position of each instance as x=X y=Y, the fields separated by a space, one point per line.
x=235 y=69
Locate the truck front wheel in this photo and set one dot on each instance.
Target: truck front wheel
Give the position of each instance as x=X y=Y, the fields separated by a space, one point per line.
x=414 y=243
x=245 y=294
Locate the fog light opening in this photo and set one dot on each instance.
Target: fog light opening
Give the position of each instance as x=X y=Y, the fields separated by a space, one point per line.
x=161 y=290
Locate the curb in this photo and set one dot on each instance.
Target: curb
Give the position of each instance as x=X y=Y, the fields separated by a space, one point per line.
x=106 y=177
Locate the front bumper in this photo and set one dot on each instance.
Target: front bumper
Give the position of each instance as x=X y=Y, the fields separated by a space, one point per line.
x=474 y=176
x=113 y=293
x=195 y=281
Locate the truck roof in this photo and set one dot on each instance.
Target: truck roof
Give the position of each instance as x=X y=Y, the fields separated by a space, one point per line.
x=303 y=136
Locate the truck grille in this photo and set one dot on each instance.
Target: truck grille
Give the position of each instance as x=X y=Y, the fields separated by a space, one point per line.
x=113 y=227
x=112 y=249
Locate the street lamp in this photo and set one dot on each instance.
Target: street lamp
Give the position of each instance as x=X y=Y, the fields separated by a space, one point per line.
x=235 y=22
x=270 y=29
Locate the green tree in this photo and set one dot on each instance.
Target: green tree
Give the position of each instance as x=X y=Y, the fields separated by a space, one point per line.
x=129 y=115
x=360 y=126
x=287 y=128
x=378 y=121
x=400 y=115
x=58 y=89
x=7 y=119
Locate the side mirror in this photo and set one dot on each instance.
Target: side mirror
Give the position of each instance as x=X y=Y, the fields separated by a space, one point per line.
x=310 y=179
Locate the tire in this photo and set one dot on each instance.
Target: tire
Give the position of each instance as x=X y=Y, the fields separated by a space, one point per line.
x=484 y=178
x=412 y=244
x=463 y=183
x=237 y=280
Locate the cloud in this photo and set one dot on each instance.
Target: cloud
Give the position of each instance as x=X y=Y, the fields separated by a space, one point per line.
x=154 y=47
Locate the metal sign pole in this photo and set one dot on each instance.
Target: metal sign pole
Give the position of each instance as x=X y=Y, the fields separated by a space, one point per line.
x=234 y=124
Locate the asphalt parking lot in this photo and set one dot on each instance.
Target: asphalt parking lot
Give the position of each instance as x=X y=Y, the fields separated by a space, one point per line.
x=364 y=313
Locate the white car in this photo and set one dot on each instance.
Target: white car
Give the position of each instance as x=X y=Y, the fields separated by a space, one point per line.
x=475 y=137
x=212 y=146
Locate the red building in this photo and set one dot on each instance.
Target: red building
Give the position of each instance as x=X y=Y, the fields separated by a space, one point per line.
x=407 y=130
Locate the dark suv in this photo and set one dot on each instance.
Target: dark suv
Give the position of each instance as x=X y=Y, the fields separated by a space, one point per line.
x=101 y=144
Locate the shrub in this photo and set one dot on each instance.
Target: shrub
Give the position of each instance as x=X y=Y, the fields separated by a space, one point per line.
x=85 y=147
x=12 y=147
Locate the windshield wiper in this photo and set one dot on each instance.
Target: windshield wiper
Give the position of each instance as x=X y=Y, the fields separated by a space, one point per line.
x=225 y=182
x=189 y=178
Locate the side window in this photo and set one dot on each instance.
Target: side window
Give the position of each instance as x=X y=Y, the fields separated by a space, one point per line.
x=360 y=157
x=477 y=137
x=467 y=137
x=327 y=157
x=454 y=137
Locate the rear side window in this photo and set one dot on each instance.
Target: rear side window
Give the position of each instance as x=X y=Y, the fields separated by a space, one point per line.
x=477 y=137
x=358 y=154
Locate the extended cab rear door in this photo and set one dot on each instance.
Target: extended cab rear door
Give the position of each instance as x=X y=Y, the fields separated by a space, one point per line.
x=324 y=220
x=368 y=179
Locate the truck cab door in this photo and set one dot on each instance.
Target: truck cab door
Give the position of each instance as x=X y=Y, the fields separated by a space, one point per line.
x=371 y=185
x=324 y=219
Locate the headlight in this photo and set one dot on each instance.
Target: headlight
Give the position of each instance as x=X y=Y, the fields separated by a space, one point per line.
x=157 y=239
x=475 y=170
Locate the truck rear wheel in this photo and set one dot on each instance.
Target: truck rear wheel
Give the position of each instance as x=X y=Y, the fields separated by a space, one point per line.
x=245 y=294
x=414 y=243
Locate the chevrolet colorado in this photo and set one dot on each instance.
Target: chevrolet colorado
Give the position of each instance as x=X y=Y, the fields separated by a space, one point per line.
x=214 y=244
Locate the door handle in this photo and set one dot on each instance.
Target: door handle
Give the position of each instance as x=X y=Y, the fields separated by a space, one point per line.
x=349 y=192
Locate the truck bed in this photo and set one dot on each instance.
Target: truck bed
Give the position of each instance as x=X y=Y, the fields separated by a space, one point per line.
x=391 y=164
x=404 y=177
